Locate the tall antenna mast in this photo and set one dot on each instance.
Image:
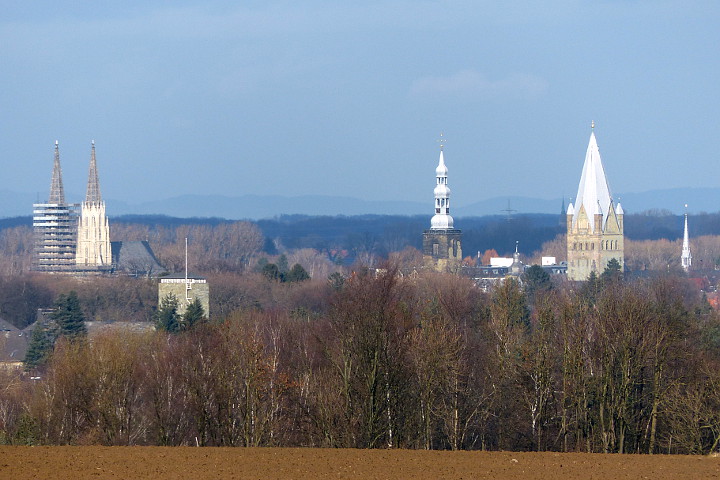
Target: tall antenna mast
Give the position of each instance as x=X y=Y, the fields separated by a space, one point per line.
x=509 y=211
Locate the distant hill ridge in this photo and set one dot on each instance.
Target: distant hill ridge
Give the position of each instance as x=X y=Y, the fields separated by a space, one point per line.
x=267 y=206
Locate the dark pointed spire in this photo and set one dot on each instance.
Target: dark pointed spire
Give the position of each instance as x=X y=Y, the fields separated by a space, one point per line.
x=93 y=187
x=57 y=193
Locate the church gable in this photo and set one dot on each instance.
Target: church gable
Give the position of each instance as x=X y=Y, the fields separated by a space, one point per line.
x=582 y=222
x=612 y=225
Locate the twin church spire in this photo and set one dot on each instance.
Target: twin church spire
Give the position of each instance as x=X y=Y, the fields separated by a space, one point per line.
x=85 y=240
x=93 y=186
x=93 y=244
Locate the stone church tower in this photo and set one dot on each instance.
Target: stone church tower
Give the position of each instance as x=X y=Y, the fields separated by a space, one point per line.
x=442 y=243
x=594 y=222
x=93 y=240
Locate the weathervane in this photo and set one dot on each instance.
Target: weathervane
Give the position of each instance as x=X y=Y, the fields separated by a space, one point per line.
x=442 y=141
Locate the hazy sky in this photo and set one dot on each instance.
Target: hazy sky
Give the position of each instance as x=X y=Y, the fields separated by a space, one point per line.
x=349 y=98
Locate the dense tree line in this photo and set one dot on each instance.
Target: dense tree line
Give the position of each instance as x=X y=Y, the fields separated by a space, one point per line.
x=384 y=361
x=218 y=245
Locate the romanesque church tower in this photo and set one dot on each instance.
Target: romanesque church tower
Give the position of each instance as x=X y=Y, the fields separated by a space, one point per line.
x=93 y=240
x=442 y=243
x=594 y=222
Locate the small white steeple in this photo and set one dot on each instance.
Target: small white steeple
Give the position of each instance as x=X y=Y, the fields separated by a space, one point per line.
x=441 y=219
x=686 y=257
x=516 y=267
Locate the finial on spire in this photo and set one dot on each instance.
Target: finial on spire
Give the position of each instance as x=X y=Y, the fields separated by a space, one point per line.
x=56 y=143
x=93 y=142
x=592 y=124
x=516 y=245
x=441 y=141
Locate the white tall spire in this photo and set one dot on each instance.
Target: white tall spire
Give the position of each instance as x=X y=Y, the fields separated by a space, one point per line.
x=593 y=191
x=686 y=257
x=441 y=219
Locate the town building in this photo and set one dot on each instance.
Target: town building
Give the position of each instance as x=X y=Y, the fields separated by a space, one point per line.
x=442 y=249
x=594 y=222
x=14 y=344
x=185 y=288
x=135 y=259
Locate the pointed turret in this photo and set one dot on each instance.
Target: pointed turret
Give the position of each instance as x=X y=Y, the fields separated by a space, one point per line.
x=57 y=193
x=93 y=186
x=686 y=257
x=593 y=191
x=442 y=218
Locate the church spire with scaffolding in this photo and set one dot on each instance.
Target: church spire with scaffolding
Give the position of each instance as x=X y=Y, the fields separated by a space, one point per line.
x=57 y=192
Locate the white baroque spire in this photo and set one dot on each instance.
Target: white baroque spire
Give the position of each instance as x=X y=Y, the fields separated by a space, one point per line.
x=686 y=257
x=441 y=219
x=593 y=191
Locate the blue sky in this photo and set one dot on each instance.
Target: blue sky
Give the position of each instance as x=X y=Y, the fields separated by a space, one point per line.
x=349 y=98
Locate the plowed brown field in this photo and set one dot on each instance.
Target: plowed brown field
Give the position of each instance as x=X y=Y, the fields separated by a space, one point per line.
x=76 y=463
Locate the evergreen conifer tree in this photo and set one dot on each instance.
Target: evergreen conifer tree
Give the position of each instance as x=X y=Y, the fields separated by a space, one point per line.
x=193 y=315
x=297 y=274
x=68 y=316
x=166 y=317
x=41 y=344
x=535 y=280
x=613 y=271
x=282 y=264
x=271 y=271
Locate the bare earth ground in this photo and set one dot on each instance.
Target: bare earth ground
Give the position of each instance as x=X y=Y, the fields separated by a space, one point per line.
x=17 y=463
